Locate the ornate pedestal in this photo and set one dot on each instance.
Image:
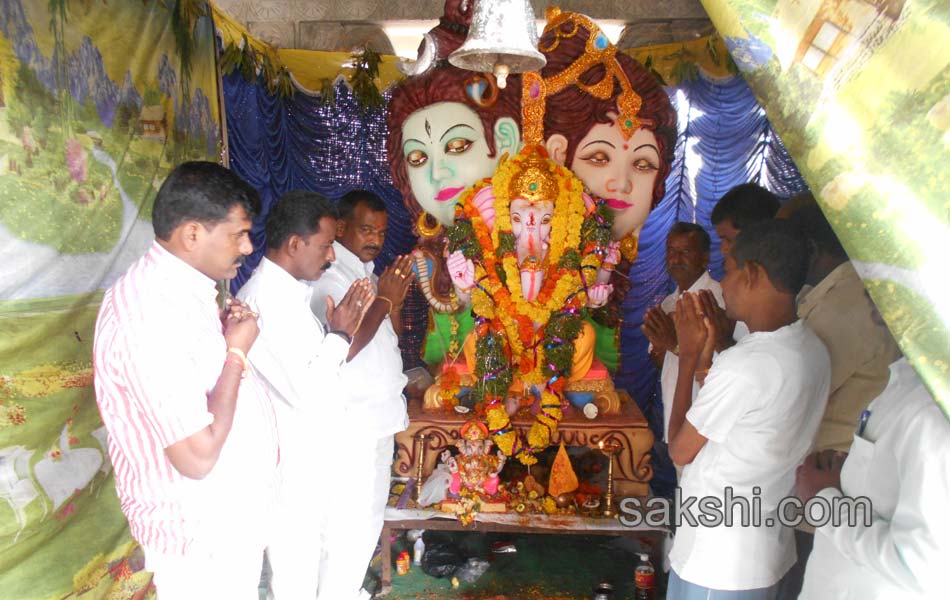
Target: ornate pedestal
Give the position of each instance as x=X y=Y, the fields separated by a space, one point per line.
x=632 y=469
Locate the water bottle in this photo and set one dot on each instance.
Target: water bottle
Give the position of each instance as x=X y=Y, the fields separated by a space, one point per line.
x=645 y=578
x=418 y=549
x=604 y=591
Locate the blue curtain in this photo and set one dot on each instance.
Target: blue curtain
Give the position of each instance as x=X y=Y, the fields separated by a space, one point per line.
x=725 y=139
x=301 y=144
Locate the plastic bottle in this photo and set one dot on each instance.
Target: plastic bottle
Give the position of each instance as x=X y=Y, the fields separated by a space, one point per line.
x=645 y=578
x=418 y=549
x=402 y=563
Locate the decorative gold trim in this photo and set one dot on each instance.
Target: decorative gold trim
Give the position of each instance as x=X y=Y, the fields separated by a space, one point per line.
x=590 y=385
x=629 y=247
x=598 y=50
x=425 y=229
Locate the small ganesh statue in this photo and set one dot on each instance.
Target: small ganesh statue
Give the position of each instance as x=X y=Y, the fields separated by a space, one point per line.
x=474 y=468
x=527 y=250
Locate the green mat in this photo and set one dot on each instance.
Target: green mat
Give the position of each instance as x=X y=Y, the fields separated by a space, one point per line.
x=558 y=567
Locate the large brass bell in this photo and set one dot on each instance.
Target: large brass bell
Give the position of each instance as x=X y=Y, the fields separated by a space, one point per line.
x=502 y=39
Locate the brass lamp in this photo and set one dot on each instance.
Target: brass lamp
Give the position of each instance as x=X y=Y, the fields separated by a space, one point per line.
x=609 y=448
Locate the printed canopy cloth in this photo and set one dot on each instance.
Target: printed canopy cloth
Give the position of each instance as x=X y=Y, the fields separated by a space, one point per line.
x=97 y=102
x=859 y=91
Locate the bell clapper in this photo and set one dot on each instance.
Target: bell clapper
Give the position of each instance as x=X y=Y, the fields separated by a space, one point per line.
x=501 y=75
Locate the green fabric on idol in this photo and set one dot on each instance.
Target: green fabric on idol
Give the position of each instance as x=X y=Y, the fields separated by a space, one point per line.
x=607 y=348
x=438 y=341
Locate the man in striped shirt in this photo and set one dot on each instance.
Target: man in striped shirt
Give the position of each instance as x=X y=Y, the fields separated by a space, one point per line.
x=192 y=434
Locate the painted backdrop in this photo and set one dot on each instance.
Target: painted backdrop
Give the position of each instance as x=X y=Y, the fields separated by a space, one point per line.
x=859 y=91
x=97 y=101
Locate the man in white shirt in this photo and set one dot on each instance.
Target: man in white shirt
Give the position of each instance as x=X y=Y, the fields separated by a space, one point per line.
x=371 y=382
x=299 y=362
x=752 y=422
x=743 y=205
x=687 y=256
x=900 y=461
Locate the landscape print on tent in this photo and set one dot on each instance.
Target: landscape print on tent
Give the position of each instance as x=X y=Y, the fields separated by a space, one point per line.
x=859 y=91
x=98 y=101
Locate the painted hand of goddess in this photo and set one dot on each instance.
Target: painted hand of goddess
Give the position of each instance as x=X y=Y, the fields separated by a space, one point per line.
x=461 y=270
x=597 y=295
x=613 y=253
x=611 y=259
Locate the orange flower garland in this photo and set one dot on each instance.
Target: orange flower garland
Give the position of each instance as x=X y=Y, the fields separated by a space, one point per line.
x=498 y=298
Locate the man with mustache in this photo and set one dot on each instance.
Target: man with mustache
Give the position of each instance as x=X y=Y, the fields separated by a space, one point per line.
x=370 y=393
x=687 y=256
x=192 y=434
x=299 y=360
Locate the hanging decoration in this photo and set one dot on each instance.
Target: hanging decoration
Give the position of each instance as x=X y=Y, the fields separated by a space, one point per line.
x=860 y=94
x=257 y=60
x=364 y=79
x=257 y=63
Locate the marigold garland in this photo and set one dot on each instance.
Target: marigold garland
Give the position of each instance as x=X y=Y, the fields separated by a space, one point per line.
x=533 y=338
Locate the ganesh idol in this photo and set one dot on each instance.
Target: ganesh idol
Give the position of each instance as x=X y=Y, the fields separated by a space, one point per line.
x=596 y=111
x=526 y=250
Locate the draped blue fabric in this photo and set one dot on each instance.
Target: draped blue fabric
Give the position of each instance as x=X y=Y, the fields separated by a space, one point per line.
x=300 y=144
x=725 y=139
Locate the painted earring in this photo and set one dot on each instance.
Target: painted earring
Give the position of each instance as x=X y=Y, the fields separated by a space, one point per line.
x=629 y=247
x=426 y=228
x=481 y=90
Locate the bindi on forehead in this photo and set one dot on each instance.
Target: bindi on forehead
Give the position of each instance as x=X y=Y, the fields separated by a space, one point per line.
x=428 y=129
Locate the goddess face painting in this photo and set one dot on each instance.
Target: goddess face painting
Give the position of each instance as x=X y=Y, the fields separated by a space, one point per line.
x=589 y=121
x=445 y=151
x=621 y=171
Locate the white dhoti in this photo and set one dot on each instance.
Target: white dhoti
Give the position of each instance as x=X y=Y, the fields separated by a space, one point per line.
x=354 y=523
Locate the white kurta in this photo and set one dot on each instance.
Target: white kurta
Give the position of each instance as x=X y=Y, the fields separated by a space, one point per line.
x=373 y=381
x=375 y=409
x=300 y=365
x=901 y=463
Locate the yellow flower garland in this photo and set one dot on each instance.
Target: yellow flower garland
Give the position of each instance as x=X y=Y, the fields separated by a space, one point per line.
x=505 y=303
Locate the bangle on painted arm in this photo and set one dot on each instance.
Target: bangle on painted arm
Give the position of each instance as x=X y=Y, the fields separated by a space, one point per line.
x=239 y=354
